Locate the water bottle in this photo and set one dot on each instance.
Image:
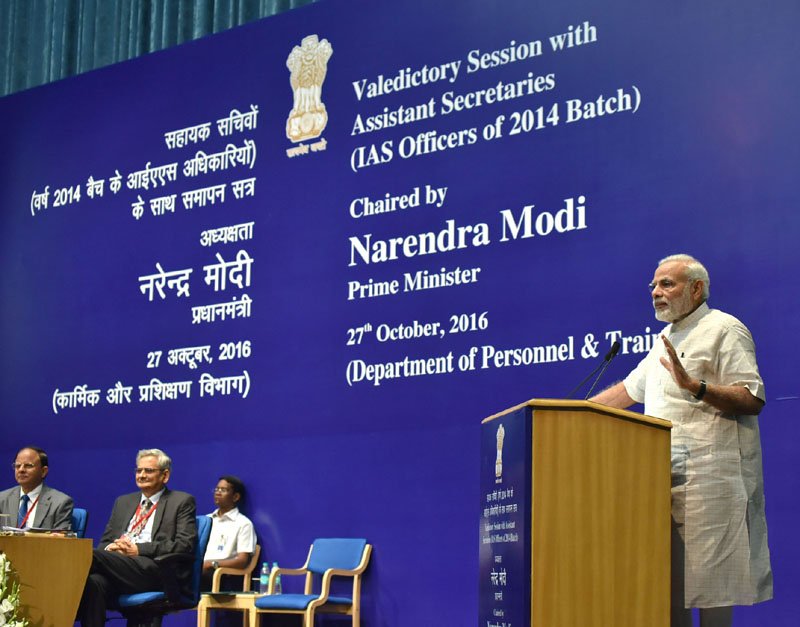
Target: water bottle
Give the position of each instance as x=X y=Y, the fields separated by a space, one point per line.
x=263 y=580
x=278 y=588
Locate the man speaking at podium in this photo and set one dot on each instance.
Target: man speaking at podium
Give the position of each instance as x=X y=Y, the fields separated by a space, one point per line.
x=703 y=377
x=151 y=522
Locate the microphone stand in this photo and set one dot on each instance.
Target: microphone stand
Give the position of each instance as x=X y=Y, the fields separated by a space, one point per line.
x=604 y=364
x=589 y=376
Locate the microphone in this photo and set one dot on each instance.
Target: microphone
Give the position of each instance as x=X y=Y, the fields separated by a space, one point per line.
x=603 y=364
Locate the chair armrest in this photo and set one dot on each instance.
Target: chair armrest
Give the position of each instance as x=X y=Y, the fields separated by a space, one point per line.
x=246 y=572
x=174 y=558
x=168 y=565
x=325 y=585
x=229 y=570
x=339 y=572
x=332 y=572
x=273 y=575
x=216 y=580
x=288 y=571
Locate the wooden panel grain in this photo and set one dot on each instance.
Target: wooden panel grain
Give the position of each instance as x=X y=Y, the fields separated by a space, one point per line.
x=52 y=571
x=601 y=512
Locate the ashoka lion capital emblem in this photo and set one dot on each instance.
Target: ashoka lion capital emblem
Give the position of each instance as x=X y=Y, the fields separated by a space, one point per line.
x=498 y=464
x=308 y=64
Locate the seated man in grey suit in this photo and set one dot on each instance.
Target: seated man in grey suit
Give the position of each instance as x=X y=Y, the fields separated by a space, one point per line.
x=32 y=503
x=143 y=525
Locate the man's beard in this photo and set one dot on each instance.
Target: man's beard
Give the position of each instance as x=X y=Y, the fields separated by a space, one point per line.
x=677 y=308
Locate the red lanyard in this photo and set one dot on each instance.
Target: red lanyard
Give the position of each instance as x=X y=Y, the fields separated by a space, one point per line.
x=30 y=509
x=139 y=523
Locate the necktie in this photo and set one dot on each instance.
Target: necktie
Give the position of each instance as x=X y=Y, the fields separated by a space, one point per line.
x=23 y=509
x=142 y=521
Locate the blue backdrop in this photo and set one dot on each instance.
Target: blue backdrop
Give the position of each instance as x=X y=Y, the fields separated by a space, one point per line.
x=577 y=145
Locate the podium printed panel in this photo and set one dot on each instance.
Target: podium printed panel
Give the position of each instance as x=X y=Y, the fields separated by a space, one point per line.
x=505 y=553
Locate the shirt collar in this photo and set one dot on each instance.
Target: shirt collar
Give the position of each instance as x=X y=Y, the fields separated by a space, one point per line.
x=153 y=499
x=33 y=494
x=232 y=514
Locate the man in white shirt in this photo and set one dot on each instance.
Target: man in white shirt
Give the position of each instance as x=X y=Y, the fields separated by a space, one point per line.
x=233 y=537
x=703 y=377
x=32 y=503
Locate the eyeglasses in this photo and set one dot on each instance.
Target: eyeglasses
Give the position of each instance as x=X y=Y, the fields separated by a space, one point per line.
x=665 y=284
x=25 y=465
x=668 y=284
x=147 y=471
x=218 y=489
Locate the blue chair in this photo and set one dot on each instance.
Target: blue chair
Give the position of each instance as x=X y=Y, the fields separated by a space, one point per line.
x=79 y=519
x=328 y=557
x=147 y=608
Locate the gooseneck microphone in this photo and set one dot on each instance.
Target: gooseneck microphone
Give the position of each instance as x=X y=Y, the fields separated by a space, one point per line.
x=603 y=364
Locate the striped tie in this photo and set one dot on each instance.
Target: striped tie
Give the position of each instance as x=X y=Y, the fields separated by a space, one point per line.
x=23 y=509
x=142 y=521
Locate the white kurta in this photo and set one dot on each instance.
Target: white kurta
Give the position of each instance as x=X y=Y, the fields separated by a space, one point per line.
x=717 y=480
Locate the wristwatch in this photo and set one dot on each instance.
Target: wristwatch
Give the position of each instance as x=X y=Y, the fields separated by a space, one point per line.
x=215 y=564
x=702 y=391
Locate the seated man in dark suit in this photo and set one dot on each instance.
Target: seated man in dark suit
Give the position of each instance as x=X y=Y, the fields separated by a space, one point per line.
x=32 y=503
x=143 y=525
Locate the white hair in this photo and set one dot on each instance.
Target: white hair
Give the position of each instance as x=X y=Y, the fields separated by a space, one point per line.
x=695 y=271
x=164 y=462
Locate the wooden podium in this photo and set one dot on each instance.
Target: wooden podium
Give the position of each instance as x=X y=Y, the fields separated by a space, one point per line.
x=595 y=517
x=52 y=571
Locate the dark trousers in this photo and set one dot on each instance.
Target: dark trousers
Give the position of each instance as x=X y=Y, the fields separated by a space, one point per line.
x=113 y=574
